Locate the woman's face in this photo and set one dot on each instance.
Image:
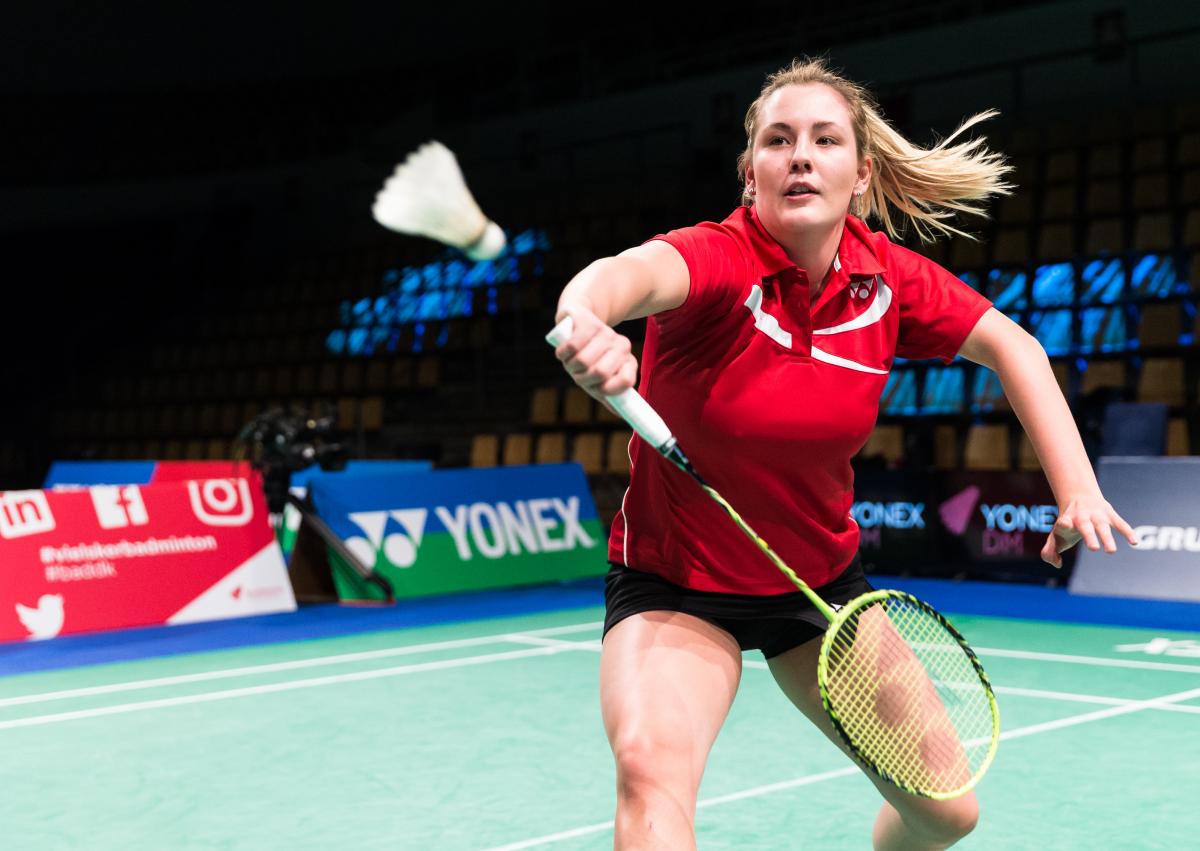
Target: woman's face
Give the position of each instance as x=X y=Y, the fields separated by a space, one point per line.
x=805 y=167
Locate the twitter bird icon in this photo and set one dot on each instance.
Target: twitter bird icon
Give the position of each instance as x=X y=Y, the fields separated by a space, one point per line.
x=44 y=621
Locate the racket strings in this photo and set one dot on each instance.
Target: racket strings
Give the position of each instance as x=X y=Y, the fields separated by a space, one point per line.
x=909 y=697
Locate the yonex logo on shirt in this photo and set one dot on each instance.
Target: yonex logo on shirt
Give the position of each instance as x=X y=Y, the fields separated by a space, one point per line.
x=861 y=290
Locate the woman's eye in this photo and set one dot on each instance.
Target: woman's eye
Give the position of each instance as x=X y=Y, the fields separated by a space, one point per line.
x=827 y=140
x=775 y=140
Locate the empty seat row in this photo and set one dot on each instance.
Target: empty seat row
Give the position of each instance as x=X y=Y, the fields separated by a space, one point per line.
x=550 y=406
x=987 y=446
x=345 y=376
x=597 y=452
x=1060 y=240
x=353 y=413
x=1158 y=380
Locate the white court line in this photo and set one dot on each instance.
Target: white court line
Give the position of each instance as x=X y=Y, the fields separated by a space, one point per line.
x=532 y=636
x=1101 y=661
x=357 y=676
x=1010 y=690
x=313 y=662
x=708 y=802
x=319 y=661
x=1101 y=714
x=1019 y=732
x=526 y=638
x=1088 y=698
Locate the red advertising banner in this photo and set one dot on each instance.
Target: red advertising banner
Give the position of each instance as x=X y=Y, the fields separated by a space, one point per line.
x=116 y=556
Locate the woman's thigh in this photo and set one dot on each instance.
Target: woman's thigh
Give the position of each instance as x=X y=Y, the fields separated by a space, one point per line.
x=667 y=680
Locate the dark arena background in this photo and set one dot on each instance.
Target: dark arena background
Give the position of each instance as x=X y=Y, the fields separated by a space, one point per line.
x=201 y=314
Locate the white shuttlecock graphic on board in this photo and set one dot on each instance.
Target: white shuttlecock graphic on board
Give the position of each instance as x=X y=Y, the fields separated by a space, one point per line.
x=45 y=621
x=427 y=196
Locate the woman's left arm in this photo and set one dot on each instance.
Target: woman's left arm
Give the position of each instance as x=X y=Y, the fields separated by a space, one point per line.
x=1024 y=370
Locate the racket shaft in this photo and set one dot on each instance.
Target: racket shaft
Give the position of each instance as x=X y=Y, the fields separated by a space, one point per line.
x=822 y=607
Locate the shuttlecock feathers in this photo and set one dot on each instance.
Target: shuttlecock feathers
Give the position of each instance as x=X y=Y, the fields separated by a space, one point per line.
x=427 y=196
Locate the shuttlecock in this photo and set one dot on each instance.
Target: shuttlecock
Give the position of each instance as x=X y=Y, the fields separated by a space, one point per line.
x=427 y=196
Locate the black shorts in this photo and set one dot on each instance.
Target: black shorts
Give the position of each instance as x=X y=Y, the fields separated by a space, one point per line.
x=773 y=623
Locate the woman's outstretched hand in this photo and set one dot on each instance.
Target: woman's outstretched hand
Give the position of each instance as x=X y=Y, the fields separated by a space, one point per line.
x=1089 y=519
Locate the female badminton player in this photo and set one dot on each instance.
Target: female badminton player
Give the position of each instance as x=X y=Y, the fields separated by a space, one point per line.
x=769 y=340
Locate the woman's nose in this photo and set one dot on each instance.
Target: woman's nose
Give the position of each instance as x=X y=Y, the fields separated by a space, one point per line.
x=800 y=159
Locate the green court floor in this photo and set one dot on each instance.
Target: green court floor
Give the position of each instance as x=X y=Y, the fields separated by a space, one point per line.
x=487 y=735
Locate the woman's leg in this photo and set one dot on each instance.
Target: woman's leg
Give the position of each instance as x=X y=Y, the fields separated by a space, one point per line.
x=666 y=684
x=905 y=822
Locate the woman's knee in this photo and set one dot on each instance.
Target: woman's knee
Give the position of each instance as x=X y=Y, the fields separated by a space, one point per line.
x=646 y=763
x=944 y=822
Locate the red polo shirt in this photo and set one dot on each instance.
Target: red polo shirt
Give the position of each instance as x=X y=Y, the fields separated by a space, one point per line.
x=770 y=396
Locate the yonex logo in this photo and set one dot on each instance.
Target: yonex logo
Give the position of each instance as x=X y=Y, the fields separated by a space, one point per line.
x=400 y=549
x=891 y=515
x=480 y=528
x=1020 y=518
x=957 y=510
x=525 y=526
x=862 y=289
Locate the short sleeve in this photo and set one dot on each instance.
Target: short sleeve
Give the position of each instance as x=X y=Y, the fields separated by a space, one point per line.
x=937 y=310
x=716 y=269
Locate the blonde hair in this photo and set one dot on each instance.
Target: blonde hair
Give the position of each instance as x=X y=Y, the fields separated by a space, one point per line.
x=926 y=186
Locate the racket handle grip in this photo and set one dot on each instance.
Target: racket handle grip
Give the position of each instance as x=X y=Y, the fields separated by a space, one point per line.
x=633 y=408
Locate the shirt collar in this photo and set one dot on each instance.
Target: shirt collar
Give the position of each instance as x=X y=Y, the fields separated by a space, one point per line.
x=855 y=257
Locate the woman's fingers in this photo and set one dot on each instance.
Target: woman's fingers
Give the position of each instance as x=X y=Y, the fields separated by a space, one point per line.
x=1088 y=531
x=1092 y=525
x=625 y=378
x=1106 y=536
x=1050 y=551
x=1124 y=528
x=597 y=358
x=603 y=370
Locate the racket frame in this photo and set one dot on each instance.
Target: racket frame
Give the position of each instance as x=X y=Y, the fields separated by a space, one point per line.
x=854 y=607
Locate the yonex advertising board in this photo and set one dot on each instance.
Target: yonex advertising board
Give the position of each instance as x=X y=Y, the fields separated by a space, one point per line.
x=995 y=517
x=115 y=556
x=987 y=523
x=1160 y=498
x=459 y=530
x=893 y=511
x=301 y=480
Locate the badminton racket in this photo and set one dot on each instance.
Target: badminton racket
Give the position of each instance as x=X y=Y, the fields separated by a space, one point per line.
x=903 y=689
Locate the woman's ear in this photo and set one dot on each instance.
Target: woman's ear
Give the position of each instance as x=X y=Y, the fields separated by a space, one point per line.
x=865 y=169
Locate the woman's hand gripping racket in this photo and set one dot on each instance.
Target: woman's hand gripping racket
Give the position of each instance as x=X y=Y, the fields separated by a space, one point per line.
x=903 y=689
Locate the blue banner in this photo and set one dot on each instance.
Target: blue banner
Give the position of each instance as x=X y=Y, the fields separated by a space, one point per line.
x=458 y=530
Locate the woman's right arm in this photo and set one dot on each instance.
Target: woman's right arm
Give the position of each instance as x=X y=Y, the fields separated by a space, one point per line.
x=637 y=282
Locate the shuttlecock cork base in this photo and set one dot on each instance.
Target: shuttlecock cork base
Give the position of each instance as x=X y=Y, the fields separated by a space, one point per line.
x=487 y=246
x=427 y=196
